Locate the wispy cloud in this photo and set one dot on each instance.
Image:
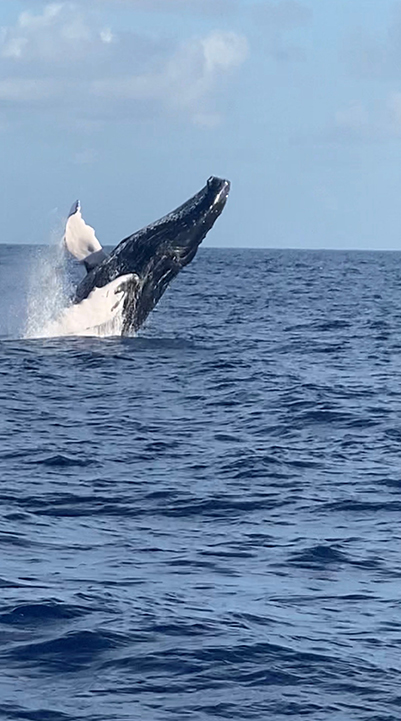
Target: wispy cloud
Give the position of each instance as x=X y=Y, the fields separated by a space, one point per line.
x=375 y=59
x=356 y=123
x=186 y=80
x=59 y=32
x=376 y=56
x=285 y=13
x=275 y=21
x=213 y=7
x=62 y=56
x=84 y=157
x=353 y=120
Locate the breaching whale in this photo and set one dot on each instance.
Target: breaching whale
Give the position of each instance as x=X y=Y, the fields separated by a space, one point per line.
x=132 y=279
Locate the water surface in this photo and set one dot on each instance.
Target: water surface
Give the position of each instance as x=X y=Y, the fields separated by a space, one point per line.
x=202 y=522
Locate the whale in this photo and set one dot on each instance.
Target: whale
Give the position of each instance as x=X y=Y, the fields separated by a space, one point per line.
x=128 y=282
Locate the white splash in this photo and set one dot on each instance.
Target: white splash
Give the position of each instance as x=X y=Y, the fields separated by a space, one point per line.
x=100 y=314
x=49 y=289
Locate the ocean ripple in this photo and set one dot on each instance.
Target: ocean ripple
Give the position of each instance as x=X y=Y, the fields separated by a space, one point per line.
x=202 y=522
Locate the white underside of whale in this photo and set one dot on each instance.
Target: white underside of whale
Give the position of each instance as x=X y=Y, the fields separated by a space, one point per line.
x=79 y=237
x=100 y=314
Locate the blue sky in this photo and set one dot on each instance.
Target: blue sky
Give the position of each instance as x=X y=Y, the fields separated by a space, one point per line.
x=131 y=105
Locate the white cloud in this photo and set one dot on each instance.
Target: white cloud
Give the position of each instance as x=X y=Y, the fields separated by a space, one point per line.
x=395 y=107
x=223 y=51
x=193 y=72
x=59 y=32
x=214 y=7
x=62 y=55
x=186 y=80
x=14 y=47
x=28 y=20
x=354 y=117
x=22 y=90
x=85 y=157
x=106 y=36
x=356 y=123
x=394 y=113
x=376 y=58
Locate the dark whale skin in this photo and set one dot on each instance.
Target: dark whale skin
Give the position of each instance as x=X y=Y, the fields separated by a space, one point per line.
x=156 y=254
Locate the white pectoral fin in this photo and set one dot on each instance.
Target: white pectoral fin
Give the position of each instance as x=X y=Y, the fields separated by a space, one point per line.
x=80 y=239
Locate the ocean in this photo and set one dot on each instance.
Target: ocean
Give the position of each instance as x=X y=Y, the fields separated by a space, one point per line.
x=203 y=522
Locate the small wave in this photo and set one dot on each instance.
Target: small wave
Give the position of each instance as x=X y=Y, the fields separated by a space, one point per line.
x=61 y=461
x=28 y=614
x=321 y=557
x=318 y=556
x=69 y=505
x=222 y=507
x=5 y=583
x=14 y=539
x=13 y=711
x=71 y=652
x=362 y=506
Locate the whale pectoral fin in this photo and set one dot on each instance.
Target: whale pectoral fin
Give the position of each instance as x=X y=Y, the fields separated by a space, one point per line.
x=80 y=239
x=94 y=259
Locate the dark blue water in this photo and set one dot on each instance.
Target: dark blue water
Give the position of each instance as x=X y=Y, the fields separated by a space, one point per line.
x=203 y=522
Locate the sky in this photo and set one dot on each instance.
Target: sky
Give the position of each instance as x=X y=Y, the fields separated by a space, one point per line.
x=130 y=105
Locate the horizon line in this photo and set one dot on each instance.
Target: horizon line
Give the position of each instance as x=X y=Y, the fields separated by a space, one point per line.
x=237 y=247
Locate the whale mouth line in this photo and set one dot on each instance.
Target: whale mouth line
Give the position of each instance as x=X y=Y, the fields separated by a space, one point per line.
x=222 y=194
